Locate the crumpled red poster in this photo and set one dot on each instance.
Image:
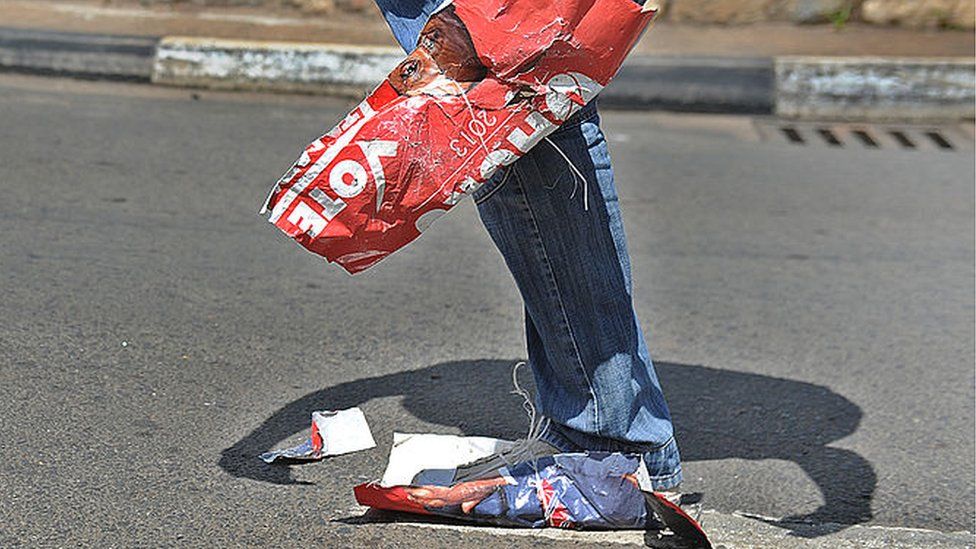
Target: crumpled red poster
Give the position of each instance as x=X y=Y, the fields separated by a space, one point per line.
x=488 y=80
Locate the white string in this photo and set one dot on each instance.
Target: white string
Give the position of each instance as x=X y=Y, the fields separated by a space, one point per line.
x=576 y=174
x=526 y=402
x=522 y=451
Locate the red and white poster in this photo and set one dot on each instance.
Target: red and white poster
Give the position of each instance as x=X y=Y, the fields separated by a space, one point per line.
x=488 y=80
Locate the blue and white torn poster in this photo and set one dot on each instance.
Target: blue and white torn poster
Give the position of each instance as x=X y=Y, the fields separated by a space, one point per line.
x=333 y=433
x=588 y=490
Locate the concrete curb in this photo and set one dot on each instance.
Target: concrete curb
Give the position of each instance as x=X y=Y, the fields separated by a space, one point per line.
x=273 y=66
x=875 y=88
x=798 y=87
x=858 y=88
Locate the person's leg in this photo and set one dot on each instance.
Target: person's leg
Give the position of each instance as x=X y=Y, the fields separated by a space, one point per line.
x=594 y=376
x=595 y=379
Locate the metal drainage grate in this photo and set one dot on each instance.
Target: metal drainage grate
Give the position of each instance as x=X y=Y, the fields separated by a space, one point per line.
x=866 y=136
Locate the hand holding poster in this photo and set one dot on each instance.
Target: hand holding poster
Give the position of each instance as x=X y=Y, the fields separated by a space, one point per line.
x=488 y=80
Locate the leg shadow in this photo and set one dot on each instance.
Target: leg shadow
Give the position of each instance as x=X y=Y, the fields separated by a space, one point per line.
x=718 y=415
x=457 y=394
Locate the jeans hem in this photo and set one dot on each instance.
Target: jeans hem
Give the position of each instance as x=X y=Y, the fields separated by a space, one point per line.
x=668 y=482
x=557 y=440
x=660 y=480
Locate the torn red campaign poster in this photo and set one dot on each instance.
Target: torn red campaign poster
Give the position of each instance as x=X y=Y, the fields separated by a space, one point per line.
x=489 y=80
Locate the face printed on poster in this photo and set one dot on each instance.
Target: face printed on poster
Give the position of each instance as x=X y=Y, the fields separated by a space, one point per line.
x=488 y=80
x=445 y=61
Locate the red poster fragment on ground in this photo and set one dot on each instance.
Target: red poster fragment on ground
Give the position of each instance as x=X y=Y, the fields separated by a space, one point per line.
x=489 y=80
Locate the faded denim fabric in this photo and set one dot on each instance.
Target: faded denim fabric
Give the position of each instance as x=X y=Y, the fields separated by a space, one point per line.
x=594 y=376
x=407 y=18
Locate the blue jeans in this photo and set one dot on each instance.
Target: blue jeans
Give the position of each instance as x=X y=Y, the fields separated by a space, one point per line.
x=594 y=376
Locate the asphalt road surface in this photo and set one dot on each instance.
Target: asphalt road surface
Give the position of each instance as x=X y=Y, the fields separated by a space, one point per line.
x=810 y=310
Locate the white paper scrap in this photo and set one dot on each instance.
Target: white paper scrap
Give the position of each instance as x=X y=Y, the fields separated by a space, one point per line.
x=333 y=433
x=413 y=453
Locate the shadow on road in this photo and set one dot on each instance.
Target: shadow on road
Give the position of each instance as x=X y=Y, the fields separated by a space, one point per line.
x=718 y=415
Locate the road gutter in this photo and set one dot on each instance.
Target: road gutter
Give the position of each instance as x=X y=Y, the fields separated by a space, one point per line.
x=105 y=57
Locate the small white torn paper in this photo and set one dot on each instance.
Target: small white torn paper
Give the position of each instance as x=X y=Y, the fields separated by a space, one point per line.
x=333 y=433
x=436 y=455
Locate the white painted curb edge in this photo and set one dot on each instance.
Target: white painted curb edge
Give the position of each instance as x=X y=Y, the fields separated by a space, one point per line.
x=875 y=88
x=279 y=66
x=802 y=87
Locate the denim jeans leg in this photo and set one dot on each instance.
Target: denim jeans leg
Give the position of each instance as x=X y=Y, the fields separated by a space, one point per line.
x=594 y=377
